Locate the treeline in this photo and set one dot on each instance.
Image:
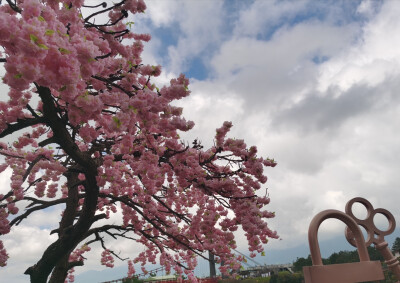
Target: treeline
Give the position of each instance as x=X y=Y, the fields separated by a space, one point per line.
x=346 y=257
x=336 y=258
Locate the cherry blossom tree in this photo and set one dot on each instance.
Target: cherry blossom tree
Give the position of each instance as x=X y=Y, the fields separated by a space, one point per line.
x=95 y=136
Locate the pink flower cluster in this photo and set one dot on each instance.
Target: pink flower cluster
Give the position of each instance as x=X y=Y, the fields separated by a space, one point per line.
x=3 y=255
x=107 y=259
x=131 y=269
x=4 y=223
x=76 y=255
x=70 y=277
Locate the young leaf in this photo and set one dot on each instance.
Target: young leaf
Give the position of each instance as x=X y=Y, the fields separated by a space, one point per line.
x=42 y=46
x=64 y=51
x=33 y=37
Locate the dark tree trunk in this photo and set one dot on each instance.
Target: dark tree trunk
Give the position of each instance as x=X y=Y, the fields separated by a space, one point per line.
x=70 y=233
x=60 y=271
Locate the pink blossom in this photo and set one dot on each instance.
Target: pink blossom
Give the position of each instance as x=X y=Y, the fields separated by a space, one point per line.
x=131 y=269
x=3 y=255
x=107 y=259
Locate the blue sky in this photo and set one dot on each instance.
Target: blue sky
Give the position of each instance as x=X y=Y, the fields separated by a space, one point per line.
x=313 y=84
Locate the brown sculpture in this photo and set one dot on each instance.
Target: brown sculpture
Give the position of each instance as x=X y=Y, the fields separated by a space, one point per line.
x=375 y=235
x=365 y=270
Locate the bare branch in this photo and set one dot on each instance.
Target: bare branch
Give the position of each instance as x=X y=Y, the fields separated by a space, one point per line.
x=31 y=165
x=103 y=11
x=14 y=6
x=17 y=220
x=21 y=124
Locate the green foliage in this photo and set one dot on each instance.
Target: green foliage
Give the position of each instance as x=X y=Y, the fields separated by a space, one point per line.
x=247 y=280
x=286 y=277
x=396 y=245
x=301 y=262
x=336 y=258
x=131 y=280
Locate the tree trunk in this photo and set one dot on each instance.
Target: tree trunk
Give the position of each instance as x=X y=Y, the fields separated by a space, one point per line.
x=60 y=272
x=70 y=234
x=55 y=257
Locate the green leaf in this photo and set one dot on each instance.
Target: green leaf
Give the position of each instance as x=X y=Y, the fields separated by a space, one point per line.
x=90 y=60
x=63 y=88
x=262 y=253
x=134 y=110
x=42 y=46
x=49 y=32
x=41 y=19
x=18 y=76
x=33 y=37
x=64 y=51
x=117 y=121
x=129 y=24
x=63 y=34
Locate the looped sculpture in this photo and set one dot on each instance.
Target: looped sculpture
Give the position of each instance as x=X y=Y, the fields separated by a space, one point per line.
x=365 y=270
x=375 y=235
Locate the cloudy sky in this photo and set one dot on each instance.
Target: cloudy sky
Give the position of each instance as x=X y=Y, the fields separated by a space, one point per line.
x=313 y=84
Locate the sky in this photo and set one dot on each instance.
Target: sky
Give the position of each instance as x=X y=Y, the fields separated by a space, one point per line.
x=313 y=84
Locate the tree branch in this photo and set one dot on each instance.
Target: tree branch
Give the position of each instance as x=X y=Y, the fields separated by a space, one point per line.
x=103 y=11
x=17 y=220
x=61 y=134
x=21 y=124
x=14 y=6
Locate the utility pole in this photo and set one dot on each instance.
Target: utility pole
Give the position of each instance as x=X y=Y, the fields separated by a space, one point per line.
x=211 y=260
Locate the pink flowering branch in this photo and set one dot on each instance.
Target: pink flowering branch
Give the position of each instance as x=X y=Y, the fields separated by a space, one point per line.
x=102 y=137
x=21 y=124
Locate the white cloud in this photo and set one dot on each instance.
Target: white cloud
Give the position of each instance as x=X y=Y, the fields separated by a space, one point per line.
x=197 y=26
x=262 y=16
x=25 y=245
x=375 y=57
x=162 y=12
x=280 y=71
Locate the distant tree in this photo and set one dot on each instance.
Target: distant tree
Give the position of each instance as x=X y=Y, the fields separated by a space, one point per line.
x=301 y=262
x=337 y=258
x=131 y=280
x=286 y=277
x=396 y=245
x=374 y=254
x=343 y=257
